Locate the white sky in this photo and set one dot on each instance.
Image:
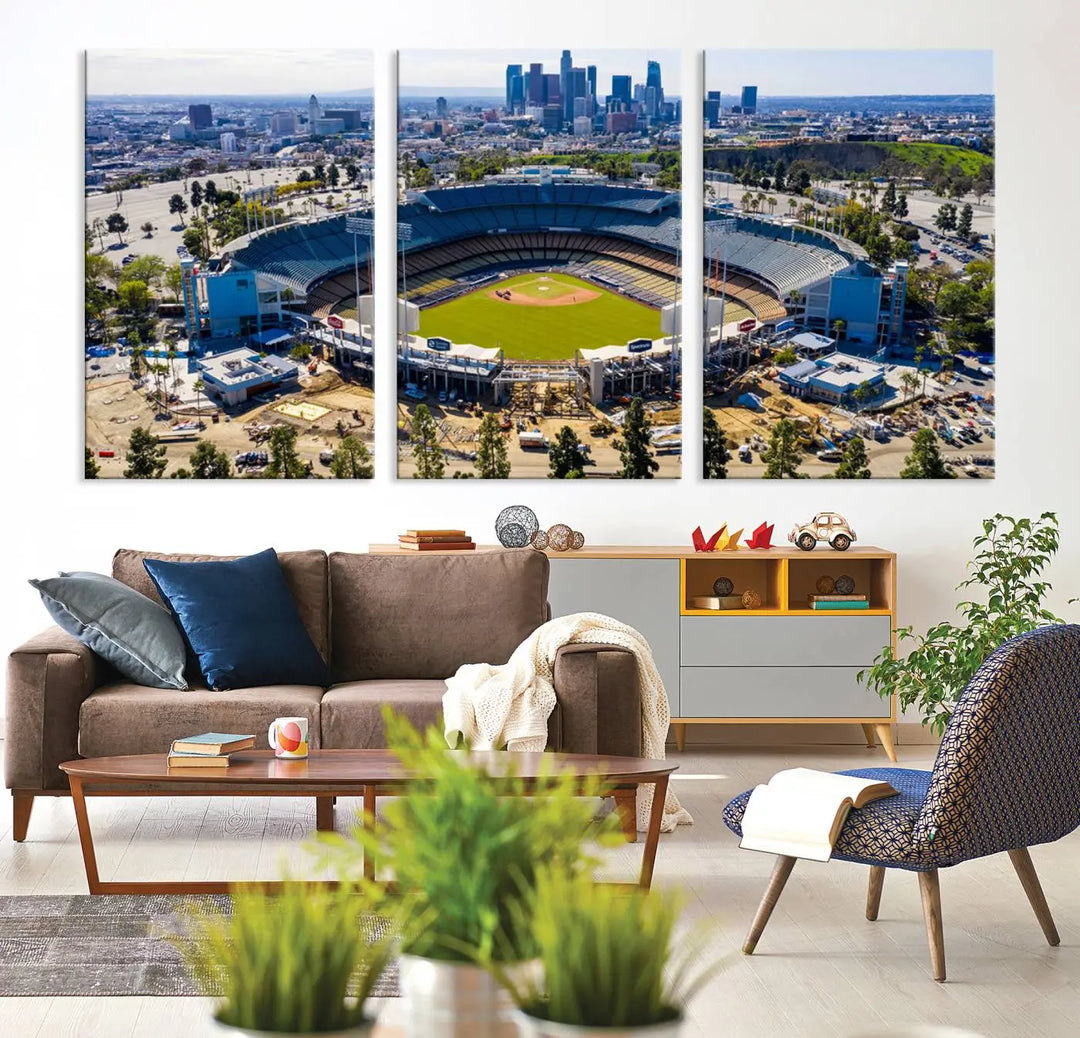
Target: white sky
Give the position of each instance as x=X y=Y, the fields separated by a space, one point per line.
x=444 y=69
x=219 y=72
x=835 y=73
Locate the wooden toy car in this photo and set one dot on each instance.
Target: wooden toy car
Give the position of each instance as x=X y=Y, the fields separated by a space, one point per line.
x=825 y=526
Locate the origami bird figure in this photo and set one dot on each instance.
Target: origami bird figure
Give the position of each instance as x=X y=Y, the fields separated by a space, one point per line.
x=700 y=544
x=733 y=541
x=761 y=537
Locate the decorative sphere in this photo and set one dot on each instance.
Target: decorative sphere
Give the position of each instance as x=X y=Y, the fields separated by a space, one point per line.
x=578 y=541
x=751 y=599
x=515 y=526
x=540 y=540
x=845 y=585
x=723 y=586
x=825 y=584
x=560 y=537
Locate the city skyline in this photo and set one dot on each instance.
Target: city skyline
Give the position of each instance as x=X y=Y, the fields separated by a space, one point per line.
x=850 y=73
x=484 y=70
x=223 y=73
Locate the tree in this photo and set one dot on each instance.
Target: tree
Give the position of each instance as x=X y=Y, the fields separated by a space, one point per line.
x=888 y=198
x=148 y=269
x=146 y=457
x=177 y=207
x=116 y=224
x=634 y=453
x=352 y=460
x=207 y=462
x=174 y=280
x=909 y=380
x=91 y=467
x=716 y=456
x=963 y=224
x=196 y=194
x=863 y=392
x=135 y=297
x=839 y=326
x=147 y=229
x=779 y=171
x=285 y=462
x=194 y=239
x=854 y=464
x=945 y=217
x=425 y=445
x=199 y=386
x=785 y=357
x=900 y=210
x=318 y=172
x=925 y=461
x=301 y=351
x=491 y=460
x=564 y=457
x=210 y=193
x=98 y=228
x=783 y=455
x=333 y=175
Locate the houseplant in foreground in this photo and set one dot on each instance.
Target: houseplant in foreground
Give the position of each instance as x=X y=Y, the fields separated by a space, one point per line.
x=295 y=962
x=1010 y=557
x=465 y=849
x=609 y=962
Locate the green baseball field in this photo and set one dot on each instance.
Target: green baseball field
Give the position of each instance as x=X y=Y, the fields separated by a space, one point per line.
x=541 y=317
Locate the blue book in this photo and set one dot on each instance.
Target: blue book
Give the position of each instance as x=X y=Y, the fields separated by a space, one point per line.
x=212 y=744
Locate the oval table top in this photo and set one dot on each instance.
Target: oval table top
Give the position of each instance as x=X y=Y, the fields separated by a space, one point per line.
x=356 y=767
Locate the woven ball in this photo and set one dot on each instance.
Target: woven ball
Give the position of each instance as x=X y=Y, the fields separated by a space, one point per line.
x=751 y=599
x=723 y=586
x=845 y=585
x=515 y=526
x=560 y=537
x=578 y=540
x=540 y=540
x=825 y=585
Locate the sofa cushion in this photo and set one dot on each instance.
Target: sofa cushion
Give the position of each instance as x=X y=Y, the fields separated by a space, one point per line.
x=305 y=573
x=352 y=712
x=123 y=718
x=404 y=616
x=241 y=620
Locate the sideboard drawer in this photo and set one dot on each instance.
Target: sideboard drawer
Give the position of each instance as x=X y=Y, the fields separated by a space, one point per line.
x=782 y=641
x=778 y=692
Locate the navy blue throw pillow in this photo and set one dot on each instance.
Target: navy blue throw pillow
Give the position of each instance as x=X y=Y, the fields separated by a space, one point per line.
x=240 y=620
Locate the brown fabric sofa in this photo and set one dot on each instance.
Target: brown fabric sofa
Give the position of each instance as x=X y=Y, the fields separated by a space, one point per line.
x=392 y=629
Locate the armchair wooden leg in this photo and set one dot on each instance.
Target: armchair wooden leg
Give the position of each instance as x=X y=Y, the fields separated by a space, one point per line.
x=930 y=890
x=1025 y=869
x=781 y=871
x=873 y=893
x=22 y=805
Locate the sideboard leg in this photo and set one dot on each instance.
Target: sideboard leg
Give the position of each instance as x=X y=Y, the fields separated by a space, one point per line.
x=680 y=736
x=868 y=731
x=884 y=732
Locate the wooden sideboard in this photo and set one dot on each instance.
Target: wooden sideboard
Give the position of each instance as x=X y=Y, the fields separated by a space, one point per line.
x=780 y=663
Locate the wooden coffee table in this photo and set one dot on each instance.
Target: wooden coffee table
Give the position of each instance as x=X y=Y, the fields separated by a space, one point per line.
x=328 y=774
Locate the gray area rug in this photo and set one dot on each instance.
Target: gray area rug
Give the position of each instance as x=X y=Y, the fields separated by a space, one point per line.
x=110 y=944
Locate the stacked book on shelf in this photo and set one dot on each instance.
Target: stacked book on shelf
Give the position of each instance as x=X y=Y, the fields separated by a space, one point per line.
x=436 y=540
x=838 y=601
x=209 y=750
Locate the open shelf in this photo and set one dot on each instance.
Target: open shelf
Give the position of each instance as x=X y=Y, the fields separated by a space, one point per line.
x=872 y=576
x=745 y=570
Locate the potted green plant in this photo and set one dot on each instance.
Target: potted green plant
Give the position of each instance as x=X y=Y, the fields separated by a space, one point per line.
x=465 y=850
x=298 y=962
x=609 y=964
x=1010 y=557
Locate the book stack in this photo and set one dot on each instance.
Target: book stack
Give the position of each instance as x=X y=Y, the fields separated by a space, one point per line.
x=209 y=750
x=436 y=540
x=838 y=601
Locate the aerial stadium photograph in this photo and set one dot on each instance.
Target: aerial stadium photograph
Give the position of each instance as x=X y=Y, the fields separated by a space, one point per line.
x=228 y=262
x=849 y=264
x=538 y=259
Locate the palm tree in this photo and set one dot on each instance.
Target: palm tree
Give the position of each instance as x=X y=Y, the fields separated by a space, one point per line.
x=198 y=387
x=746 y=200
x=793 y=206
x=771 y=202
x=171 y=355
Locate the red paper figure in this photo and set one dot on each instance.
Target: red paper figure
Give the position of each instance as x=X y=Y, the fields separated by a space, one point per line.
x=762 y=537
x=700 y=544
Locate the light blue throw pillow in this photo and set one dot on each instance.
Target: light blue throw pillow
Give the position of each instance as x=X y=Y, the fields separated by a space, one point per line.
x=136 y=635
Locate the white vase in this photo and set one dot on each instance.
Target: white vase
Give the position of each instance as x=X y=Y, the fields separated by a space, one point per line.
x=452 y=1000
x=534 y=1027
x=360 y=1030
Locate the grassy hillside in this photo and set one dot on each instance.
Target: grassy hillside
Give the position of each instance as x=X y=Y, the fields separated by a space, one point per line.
x=969 y=162
x=537 y=332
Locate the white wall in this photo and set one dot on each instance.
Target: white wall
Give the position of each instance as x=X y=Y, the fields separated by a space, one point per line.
x=55 y=521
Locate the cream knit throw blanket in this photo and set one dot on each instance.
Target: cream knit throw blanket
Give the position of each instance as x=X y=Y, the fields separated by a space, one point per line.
x=491 y=707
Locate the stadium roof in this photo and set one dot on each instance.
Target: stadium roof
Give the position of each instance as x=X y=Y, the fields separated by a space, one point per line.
x=473 y=196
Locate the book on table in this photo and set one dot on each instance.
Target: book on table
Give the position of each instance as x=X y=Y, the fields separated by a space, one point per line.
x=466 y=545
x=212 y=744
x=198 y=760
x=434 y=538
x=435 y=533
x=800 y=812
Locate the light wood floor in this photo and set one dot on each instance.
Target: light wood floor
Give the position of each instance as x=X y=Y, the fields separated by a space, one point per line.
x=820 y=970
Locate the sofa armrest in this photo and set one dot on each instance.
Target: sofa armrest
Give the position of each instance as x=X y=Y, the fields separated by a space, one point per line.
x=596 y=687
x=47 y=680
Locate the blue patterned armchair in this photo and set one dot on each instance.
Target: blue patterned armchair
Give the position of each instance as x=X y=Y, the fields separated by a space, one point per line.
x=1006 y=777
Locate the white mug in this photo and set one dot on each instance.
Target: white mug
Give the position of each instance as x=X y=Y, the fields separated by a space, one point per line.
x=288 y=737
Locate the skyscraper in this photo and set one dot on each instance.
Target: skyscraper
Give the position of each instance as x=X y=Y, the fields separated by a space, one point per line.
x=712 y=109
x=199 y=116
x=442 y=110
x=590 y=76
x=748 y=101
x=552 y=89
x=652 y=79
x=513 y=72
x=535 y=89
x=566 y=85
x=621 y=87
x=314 y=112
